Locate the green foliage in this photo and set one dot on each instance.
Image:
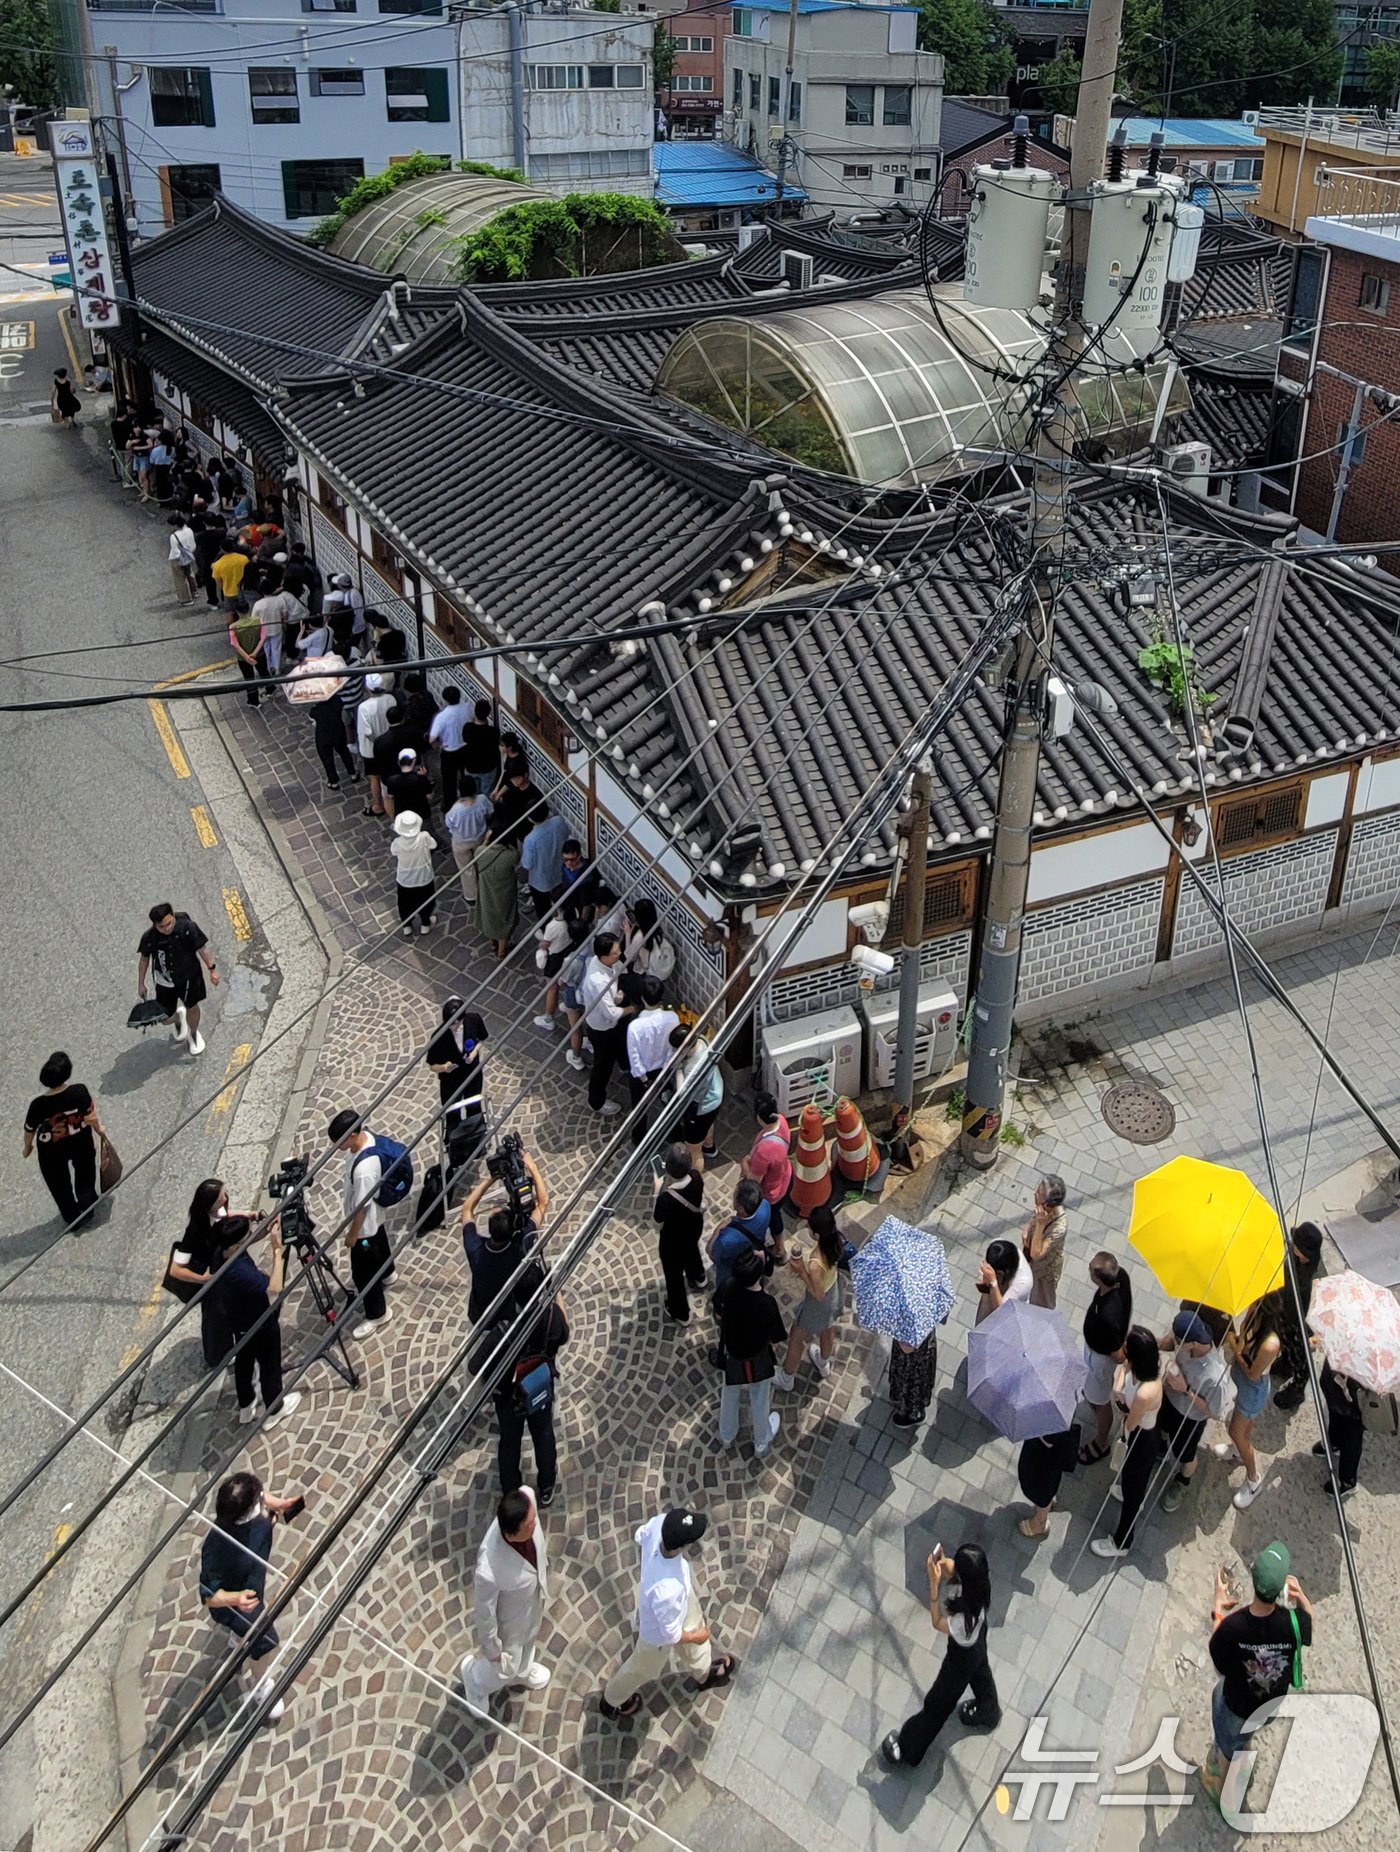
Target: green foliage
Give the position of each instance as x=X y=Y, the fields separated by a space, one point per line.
x=379 y=186
x=430 y=216
x=1383 y=74
x=663 y=56
x=977 y=57
x=584 y=234
x=28 y=53
x=1172 y=668
x=1291 y=45
x=1059 y=84
x=1295 y=52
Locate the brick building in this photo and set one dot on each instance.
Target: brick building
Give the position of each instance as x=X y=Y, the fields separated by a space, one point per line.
x=693 y=101
x=1336 y=448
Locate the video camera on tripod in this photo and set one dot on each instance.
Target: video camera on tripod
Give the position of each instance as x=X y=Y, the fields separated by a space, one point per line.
x=298 y=1229
x=506 y=1166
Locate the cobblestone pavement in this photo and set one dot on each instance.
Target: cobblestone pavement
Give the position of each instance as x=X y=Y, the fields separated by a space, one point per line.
x=1105 y=1652
x=376 y=1749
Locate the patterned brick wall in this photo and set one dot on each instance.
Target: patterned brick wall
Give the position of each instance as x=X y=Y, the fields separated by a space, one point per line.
x=1273 y=888
x=699 y=968
x=829 y=986
x=1090 y=941
x=1373 y=861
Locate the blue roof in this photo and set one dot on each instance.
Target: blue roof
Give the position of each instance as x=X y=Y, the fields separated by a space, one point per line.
x=710 y=173
x=1190 y=132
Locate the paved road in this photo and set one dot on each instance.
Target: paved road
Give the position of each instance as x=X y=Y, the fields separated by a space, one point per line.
x=98 y=827
x=29 y=231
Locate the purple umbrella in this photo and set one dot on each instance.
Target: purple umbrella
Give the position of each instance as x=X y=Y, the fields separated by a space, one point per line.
x=1025 y=1371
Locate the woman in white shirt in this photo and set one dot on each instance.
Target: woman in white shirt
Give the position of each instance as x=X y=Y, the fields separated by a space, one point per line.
x=646 y=951
x=961 y=1618
x=1004 y=1275
x=412 y=850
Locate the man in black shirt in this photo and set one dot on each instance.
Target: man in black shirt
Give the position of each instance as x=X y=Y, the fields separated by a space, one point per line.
x=1306 y=1243
x=395 y=738
x=481 y=744
x=750 y=1324
x=1256 y=1650
x=494 y=1256
x=1106 y=1324
x=409 y=788
x=176 y=948
x=518 y=808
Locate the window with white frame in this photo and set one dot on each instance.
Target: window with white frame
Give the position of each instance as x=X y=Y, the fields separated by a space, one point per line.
x=556 y=77
x=692 y=44
x=860 y=105
x=595 y=164
x=684 y=82
x=344 y=82
x=850 y=171
x=272 y=94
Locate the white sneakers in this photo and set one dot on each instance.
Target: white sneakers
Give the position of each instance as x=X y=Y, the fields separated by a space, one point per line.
x=609 y=1109
x=370 y=1326
x=289 y=1402
x=773 y=1425
x=536 y=1678
x=544 y=1022
x=783 y=1380
x=1247 y=1493
x=182 y=1027
x=260 y=1691
x=247 y=1416
x=575 y=1060
x=196 y=1042
x=1107 y=1548
x=822 y=1365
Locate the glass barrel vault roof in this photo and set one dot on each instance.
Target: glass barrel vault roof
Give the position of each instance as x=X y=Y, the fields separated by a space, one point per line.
x=412 y=232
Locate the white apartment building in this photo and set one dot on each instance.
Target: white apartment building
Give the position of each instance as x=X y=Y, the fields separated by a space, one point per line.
x=865 y=107
x=284 y=104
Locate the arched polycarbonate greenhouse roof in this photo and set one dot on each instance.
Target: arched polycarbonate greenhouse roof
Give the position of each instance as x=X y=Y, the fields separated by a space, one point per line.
x=889 y=390
x=412 y=232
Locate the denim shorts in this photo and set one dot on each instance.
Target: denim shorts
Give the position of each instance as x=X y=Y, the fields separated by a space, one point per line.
x=1227 y=1729
x=1251 y=1398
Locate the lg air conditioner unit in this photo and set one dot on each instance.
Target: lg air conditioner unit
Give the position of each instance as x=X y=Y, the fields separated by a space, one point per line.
x=935 y=1035
x=814 y=1058
x=797 y=270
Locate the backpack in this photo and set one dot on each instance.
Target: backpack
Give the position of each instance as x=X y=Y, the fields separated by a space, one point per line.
x=395 y=1169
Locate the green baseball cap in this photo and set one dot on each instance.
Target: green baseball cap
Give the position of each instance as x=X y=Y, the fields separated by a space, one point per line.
x=1269 y=1571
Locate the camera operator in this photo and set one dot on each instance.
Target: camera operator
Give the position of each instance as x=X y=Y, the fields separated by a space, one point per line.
x=243 y=1292
x=370 y=1261
x=510 y=1232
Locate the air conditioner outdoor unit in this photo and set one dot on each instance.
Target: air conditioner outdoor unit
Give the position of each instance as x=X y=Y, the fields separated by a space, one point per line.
x=935 y=1037
x=1188 y=465
x=750 y=234
x=814 y=1058
x=797 y=270
x=1250 y=118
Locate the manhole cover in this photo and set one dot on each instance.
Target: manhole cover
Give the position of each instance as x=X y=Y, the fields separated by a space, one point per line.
x=1138 y=1113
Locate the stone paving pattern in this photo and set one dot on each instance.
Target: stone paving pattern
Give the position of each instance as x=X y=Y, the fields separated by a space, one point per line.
x=372 y=1751
x=814 y=1568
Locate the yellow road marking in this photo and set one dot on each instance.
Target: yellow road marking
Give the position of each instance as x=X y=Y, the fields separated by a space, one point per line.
x=30 y=295
x=193 y=675
x=237 y=914
x=223 y=1105
x=179 y=764
x=143 y=1320
x=203 y=827
x=68 y=343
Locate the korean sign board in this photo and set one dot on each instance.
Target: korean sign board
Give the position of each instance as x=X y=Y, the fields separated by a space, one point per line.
x=80 y=207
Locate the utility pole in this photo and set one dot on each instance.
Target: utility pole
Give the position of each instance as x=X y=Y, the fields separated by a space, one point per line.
x=1000 y=960
x=123 y=237
x=914 y=827
x=786 y=103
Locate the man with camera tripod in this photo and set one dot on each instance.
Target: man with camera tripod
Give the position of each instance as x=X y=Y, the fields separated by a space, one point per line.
x=494 y=1256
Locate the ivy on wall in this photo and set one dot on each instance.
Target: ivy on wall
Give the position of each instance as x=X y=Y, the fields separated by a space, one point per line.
x=583 y=234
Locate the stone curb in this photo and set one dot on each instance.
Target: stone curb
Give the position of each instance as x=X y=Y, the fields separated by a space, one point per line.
x=128 y=1702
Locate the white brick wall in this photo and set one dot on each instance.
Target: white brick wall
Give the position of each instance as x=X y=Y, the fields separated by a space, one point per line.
x=1273 y=887
x=699 y=968
x=834 y=984
x=1373 y=861
x=1091 y=941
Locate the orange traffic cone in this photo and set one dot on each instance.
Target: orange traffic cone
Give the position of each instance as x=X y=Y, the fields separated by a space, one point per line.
x=856 y=1157
x=811 y=1163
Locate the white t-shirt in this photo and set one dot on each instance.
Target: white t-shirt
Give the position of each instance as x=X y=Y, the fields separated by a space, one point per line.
x=1020 y=1287
x=664 y=1596
x=363 y=1175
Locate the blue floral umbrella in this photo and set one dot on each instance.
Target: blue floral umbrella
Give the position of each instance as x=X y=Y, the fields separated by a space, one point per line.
x=1025 y=1371
x=901 y=1282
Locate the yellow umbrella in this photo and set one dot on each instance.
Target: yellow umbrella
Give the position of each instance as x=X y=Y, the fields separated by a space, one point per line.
x=1207 y=1234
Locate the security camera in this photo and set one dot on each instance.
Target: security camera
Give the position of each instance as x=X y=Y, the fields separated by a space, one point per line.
x=871 y=920
x=871 y=963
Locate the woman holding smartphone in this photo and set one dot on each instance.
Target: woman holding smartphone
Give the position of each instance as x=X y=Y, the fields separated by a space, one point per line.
x=233 y=1562
x=964 y=1585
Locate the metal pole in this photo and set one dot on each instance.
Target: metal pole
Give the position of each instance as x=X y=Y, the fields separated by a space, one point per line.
x=110 y=53
x=517 y=92
x=914 y=826
x=1000 y=953
x=786 y=105
x=119 y=226
x=1348 y=462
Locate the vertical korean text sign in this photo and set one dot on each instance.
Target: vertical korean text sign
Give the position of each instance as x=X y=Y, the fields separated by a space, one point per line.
x=84 y=228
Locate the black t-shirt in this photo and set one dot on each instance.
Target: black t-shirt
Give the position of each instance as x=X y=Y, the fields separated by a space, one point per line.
x=481 y=749
x=242 y=1294
x=388 y=746
x=678 y=1211
x=1108 y=1318
x=410 y=791
x=749 y=1322
x=52 y=1117
x=1254 y=1654
x=223 y=1565
x=174 y=955
x=200 y=1248
x=491 y=1269
x=465 y=1076
x=514 y=814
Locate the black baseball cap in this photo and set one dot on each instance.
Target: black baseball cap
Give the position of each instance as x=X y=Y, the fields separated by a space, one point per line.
x=678 y=1528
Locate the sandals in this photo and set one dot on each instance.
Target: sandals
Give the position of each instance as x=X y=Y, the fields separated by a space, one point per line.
x=616 y=1712
x=720 y=1673
x=1091 y=1453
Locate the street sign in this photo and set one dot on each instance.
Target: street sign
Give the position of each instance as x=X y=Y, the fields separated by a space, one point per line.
x=85 y=227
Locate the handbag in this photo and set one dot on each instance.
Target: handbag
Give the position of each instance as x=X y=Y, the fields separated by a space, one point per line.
x=109 y=1165
x=183 y=1290
x=1380 y=1414
x=534 y=1385
x=430 y=1202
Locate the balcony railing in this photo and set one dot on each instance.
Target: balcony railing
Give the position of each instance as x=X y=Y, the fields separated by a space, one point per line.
x=1362 y=129
x=151 y=6
x=1368 y=197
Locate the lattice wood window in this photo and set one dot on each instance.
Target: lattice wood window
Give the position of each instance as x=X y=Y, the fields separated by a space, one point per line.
x=1252 y=822
x=386 y=559
x=330 y=503
x=201 y=415
x=950 y=900
x=454 y=628
x=540 y=718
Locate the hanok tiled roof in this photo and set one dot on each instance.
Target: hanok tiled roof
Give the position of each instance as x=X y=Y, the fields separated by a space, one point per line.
x=1230 y=411
x=227 y=396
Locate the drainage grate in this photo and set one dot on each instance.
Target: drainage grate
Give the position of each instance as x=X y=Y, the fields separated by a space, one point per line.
x=1138 y=1113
